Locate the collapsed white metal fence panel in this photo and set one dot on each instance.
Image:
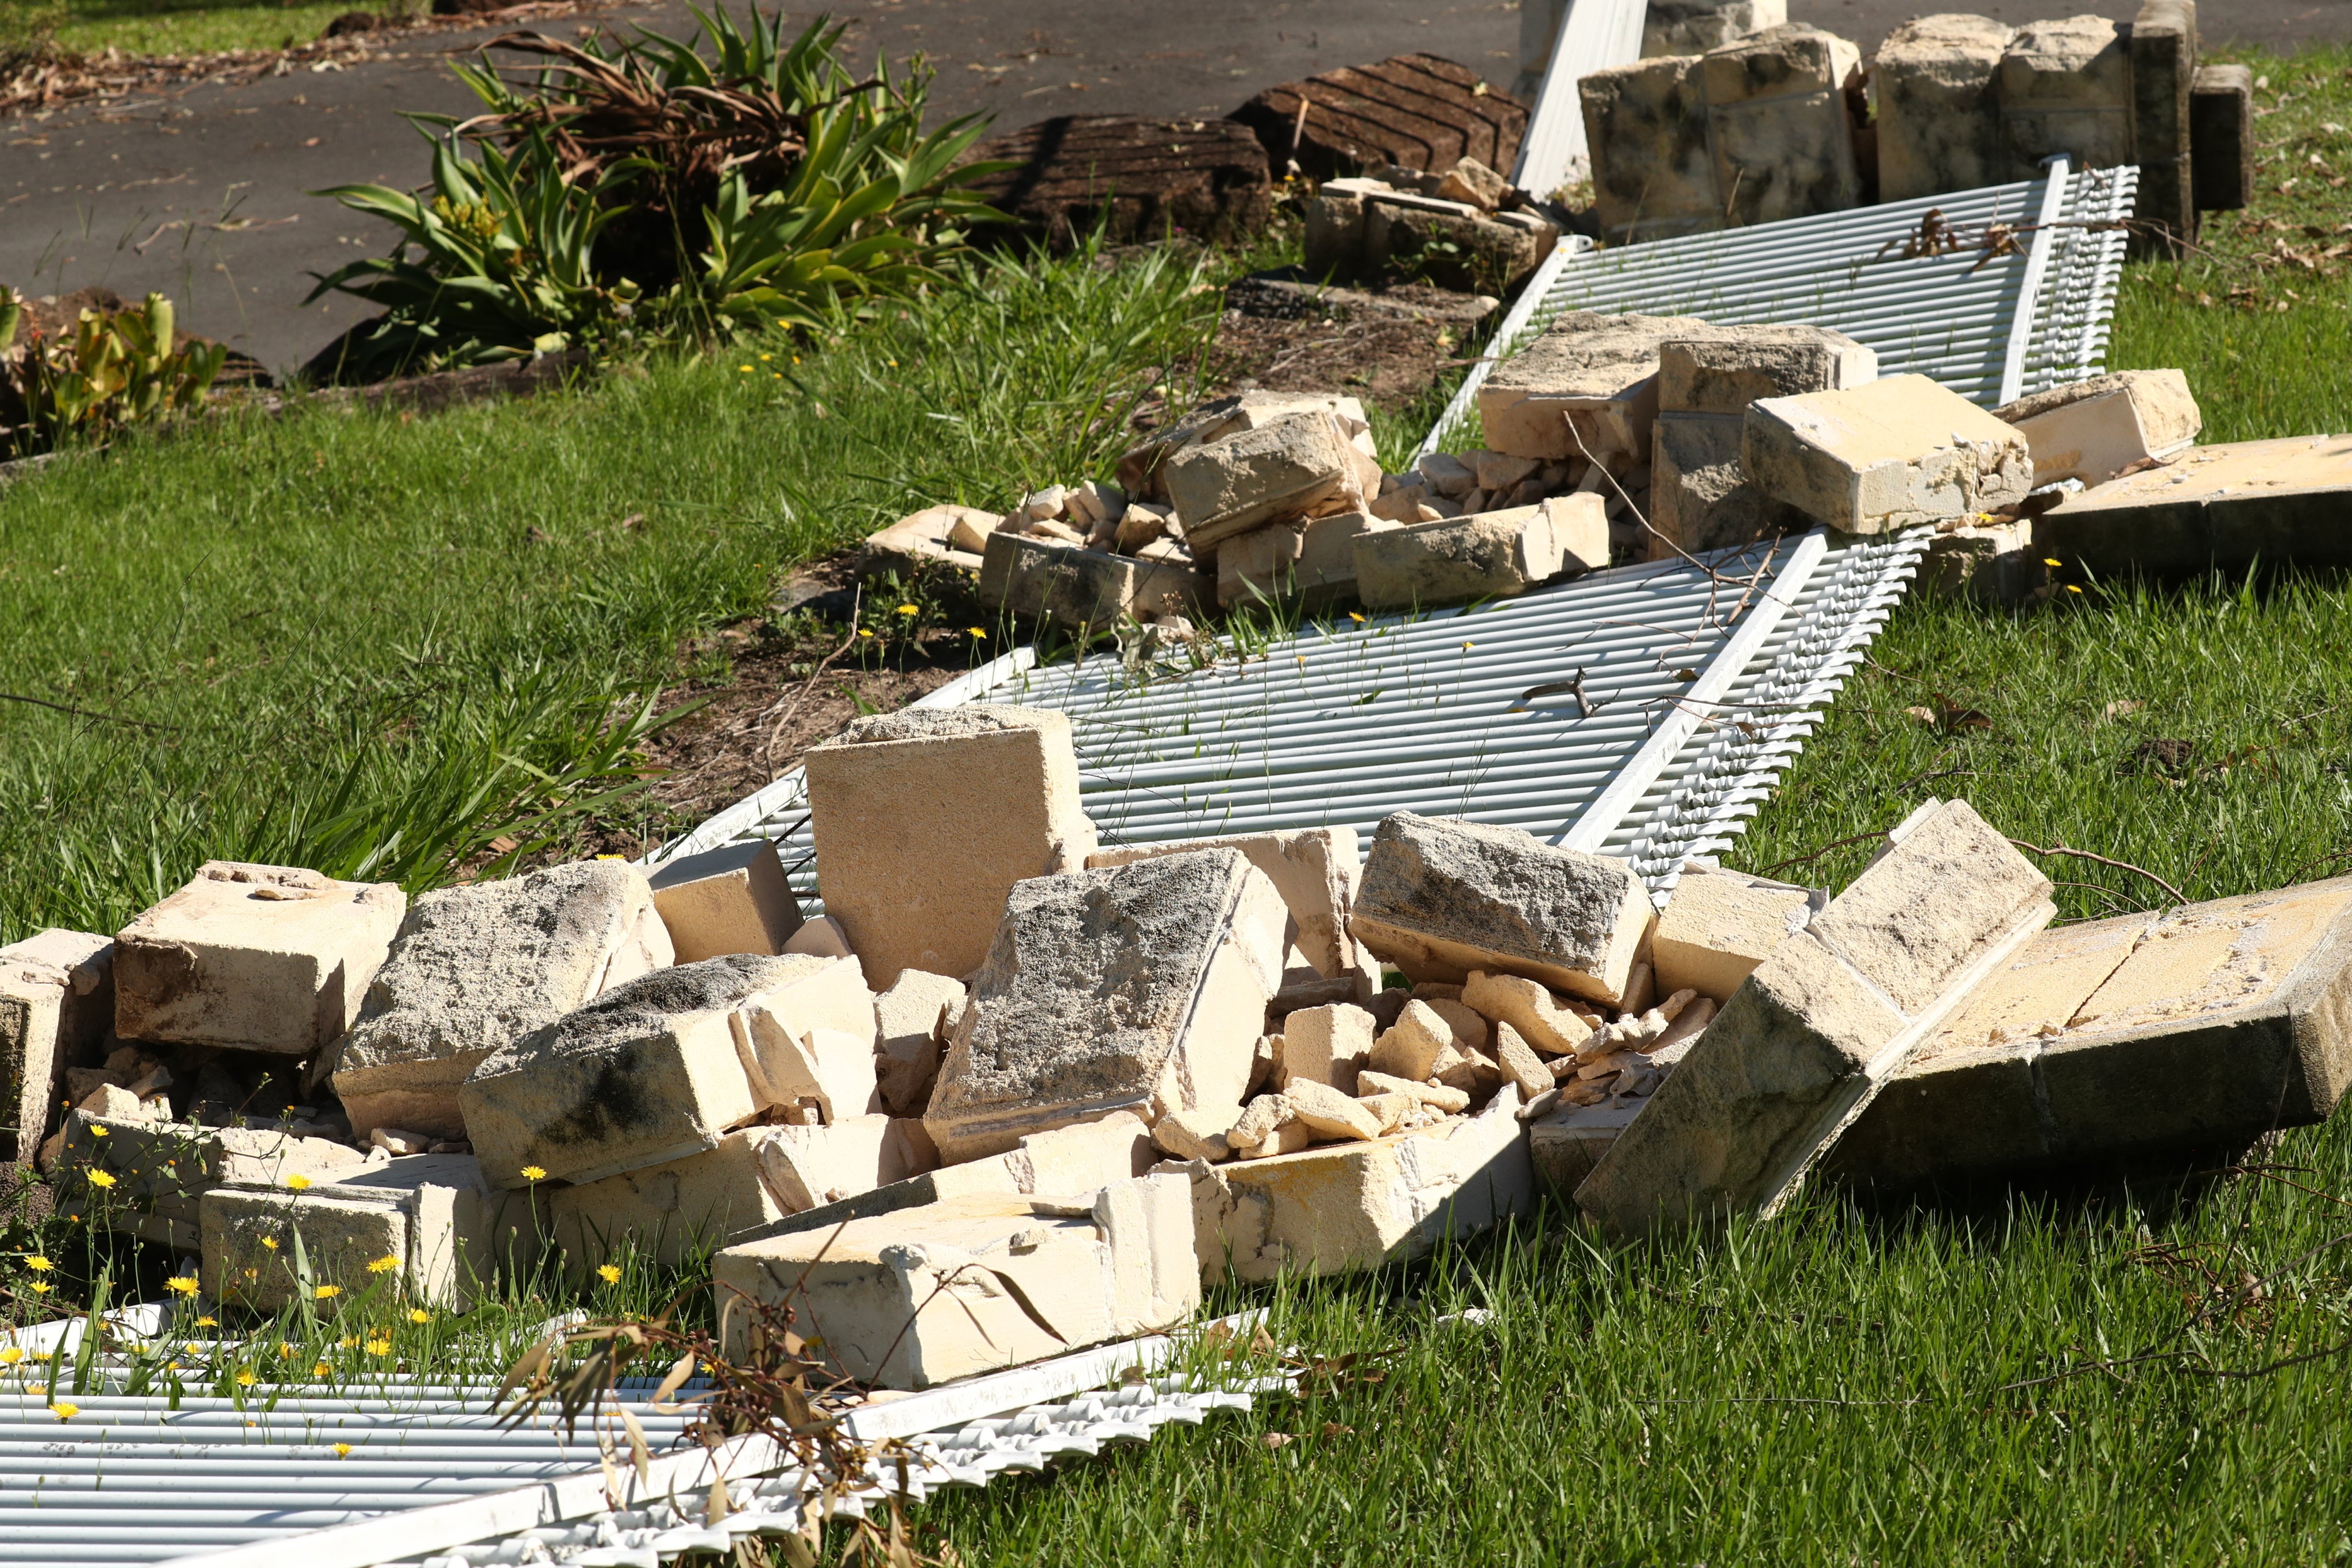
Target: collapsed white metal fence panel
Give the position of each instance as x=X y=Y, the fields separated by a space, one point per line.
x=1952 y=315
x=1648 y=706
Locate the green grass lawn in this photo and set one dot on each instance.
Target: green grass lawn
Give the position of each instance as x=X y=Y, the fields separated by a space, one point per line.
x=193 y=27
x=311 y=638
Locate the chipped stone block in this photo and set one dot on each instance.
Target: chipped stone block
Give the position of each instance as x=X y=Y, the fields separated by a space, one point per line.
x=977 y=1283
x=1520 y=1063
x=1700 y=499
x=1940 y=107
x=2092 y=430
x=820 y=938
x=1329 y=1114
x=2224 y=507
x=2221 y=137
x=1440 y=897
x=1646 y=126
x=1196 y=1134
x=1695 y=26
x=924 y=818
x=669 y=1212
x=424 y=1227
x=1327 y=1045
x=808 y=1167
x=1313 y=869
x=1731 y=367
x=649 y=1073
x=1452 y=244
x=1313 y=561
x=473 y=968
x=1471 y=181
x=1487 y=554
x=2066 y=87
x=1782 y=144
x=264 y=958
x=1335 y=1207
x=1139 y=987
x=1876 y=459
x=807 y=1039
x=1800 y=1047
x=1143 y=470
x=2106 y=1048
x=162 y=1168
x=1296 y=465
x=1565 y=1145
x=910 y=1032
x=937 y=535
x=57 y=1003
x=731 y=900
x=1995 y=563
x=1596 y=373
x=2162 y=45
x=1529 y=1008
x=1050 y=579
x=1719 y=925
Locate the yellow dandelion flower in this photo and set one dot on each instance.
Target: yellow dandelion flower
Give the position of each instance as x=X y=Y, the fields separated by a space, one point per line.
x=384 y=1264
x=379 y=1346
x=863 y=633
x=99 y=1132
x=65 y=1410
x=533 y=1173
x=342 y=1450
x=181 y=1285
x=796 y=359
x=11 y=1356
x=328 y=1292
x=419 y=1315
x=40 y=1287
x=245 y=1377
x=100 y=1179
x=38 y=1390
x=348 y=1343
x=977 y=631
x=270 y=1242
x=608 y=1274
x=196 y=1349
x=908 y=610
x=298 y=1180
x=2072 y=589
x=765 y=358
x=1468 y=645
x=208 y=1322
x=320 y=1369
x=252 y=1273
x=38 y=1264
x=2048 y=560
x=744 y=368
x=285 y=1350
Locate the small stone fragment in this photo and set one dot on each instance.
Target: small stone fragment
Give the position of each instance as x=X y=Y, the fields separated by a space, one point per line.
x=1199 y=1134
x=910 y=1034
x=730 y=900
x=2092 y=430
x=1529 y=1008
x=1326 y=1110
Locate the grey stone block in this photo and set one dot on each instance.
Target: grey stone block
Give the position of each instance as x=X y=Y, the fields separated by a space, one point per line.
x=2221 y=137
x=1051 y=579
x=1646 y=125
x=1777 y=128
x=57 y=1004
x=2066 y=87
x=1938 y=106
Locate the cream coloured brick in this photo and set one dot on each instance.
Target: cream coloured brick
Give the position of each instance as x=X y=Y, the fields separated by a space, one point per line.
x=1328 y=1045
x=1719 y=925
x=911 y=1033
x=1197 y=1134
x=2066 y=87
x=1529 y=1007
x=429 y=1222
x=1596 y=373
x=57 y=1003
x=2092 y=430
x=1897 y=452
x=732 y=900
x=1295 y=466
x=1329 y=1113
x=808 y=1167
x=1486 y=554
x=924 y=819
x=1313 y=869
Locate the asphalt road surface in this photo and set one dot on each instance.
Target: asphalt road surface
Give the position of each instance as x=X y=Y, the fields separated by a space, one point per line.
x=204 y=192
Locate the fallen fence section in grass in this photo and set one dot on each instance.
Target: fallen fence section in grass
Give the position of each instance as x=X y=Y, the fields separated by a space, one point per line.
x=1643 y=711
x=417 y=1473
x=1994 y=292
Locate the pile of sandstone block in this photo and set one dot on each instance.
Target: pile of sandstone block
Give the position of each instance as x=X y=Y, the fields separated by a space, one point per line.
x=1784 y=122
x=1464 y=228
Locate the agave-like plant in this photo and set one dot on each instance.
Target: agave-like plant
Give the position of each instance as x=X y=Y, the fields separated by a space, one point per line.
x=651 y=189
x=116 y=369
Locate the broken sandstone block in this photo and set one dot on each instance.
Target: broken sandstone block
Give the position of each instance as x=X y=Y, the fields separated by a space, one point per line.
x=1597 y=373
x=1064 y=582
x=648 y=1072
x=1328 y=1045
x=1695 y=26
x=1486 y=554
x=1719 y=925
x=1312 y=561
x=1939 y=109
x=1731 y=367
x=1700 y=499
x=670 y=1210
x=264 y=958
x=57 y=1003
x=162 y=1169
x=1329 y=1113
x=2222 y=507
x=1646 y=125
x=2094 y=429
x=1529 y=1008
x=2066 y=87
x=2110 y=1046
x=1885 y=456
x=1298 y=465
x=1338 y=1207
x=943 y=535
x=730 y=900
x=475 y=967
x=1440 y=897
x=1139 y=987
x=1196 y=1134
x=1314 y=870
x=924 y=818
x=974 y=1284
x=1565 y=1145
x=910 y=1034
x=429 y=1221
x=1819 y=1026
x=1777 y=125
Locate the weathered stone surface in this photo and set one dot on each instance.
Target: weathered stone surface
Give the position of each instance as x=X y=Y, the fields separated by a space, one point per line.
x=2104 y=1047
x=1519 y=1062
x=1336 y=1207
x=1777 y=128
x=1565 y=1145
x=1418 y=110
x=1596 y=373
x=2066 y=87
x=924 y=818
x=1436 y=1096
x=1196 y=1134
x=1143 y=470
x=1294 y=465
x=1139 y=177
x=1312 y=561
x=1897 y=452
x=1452 y=246
x=1814 y=1032
x=2092 y=430
x=427 y=1228
x=57 y=1003
x=935 y=536
x=266 y=958
x=1938 y=106
x=921 y=1296
x=1440 y=897
x=474 y=968
x=1313 y=869
x=650 y=1071
x=910 y=1034
x=1731 y=367
x=809 y=1167
x=1700 y=499
x=2223 y=507
x=1329 y=1113
x=807 y=1039
x=2222 y=136
x=1646 y=126
x=1529 y=1008
x=1719 y=925
x=2162 y=44
x=1695 y=26
x=1995 y=564
x=731 y=900
x=162 y=1168
x=1055 y=580
x=1491 y=554
x=1327 y=1045
x=1139 y=987
x=667 y=1213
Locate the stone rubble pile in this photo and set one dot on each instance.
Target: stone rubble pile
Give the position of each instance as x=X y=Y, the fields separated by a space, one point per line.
x=1463 y=227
